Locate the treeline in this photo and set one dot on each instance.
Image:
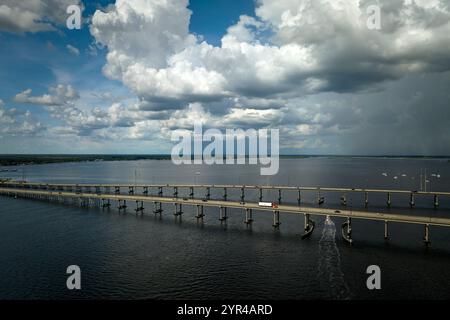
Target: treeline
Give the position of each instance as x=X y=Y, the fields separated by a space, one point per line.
x=14 y=160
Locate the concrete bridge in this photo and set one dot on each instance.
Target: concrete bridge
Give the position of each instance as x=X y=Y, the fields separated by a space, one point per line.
x=104 y=195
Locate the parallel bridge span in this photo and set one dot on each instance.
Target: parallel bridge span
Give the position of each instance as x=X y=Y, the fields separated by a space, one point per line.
x=193 y=187
x=32 y=190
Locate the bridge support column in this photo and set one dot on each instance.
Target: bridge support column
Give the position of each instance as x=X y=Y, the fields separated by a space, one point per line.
x=122 y=205
x=344 y=200
x=208 y=193
x=276 y=219
x=191 y=192
x=279 y=196
x=225 y=194
x=347 y=230
x=158 y=207
x=178 y=209
x=436 y=201
x=411 y=200
x=223 y=213
x=160 y=191
x=260 y=194
x=106 y=203
x=145 y=192
x=386 y=230
x=299 y=198
x=366 y=199
x=117 y=190
x=426 y=237
x=175 y=192
x=389 y=202
x=308 y=226
x=248 y=216
x=130 y=190
x=139 y=207
x=242 y=195
x=200 y=213
x=320 y=198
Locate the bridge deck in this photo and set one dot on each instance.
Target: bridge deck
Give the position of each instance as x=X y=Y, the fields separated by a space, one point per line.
x=389 y=217
x=221 y=186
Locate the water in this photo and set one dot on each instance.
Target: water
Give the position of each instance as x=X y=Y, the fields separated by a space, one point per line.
x=139 y=257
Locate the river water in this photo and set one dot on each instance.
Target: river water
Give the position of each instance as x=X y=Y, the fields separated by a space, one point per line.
x=129 y=256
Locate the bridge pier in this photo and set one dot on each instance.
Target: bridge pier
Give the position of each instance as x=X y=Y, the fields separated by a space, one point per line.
x=426 y=237
x=145 y=192
x=175 y=192
x=160 y=191
x=158 y=207
x=225 y=194
x=122 y=205
x=308 y=226
x=411 y=200
x=130 y=190
x=223 y=213
x=344 y=200
x=279 y=196
x=242 y=195
x=276 y=219
x=200 y=213
x=117 y=190
x=106 y=204
x=320 y=199
x=248 y=216
x=191 y=192
x=208 y=193
x=386 y=230
x=178 y=209
x=347 y=230
x=388 y=202
x=260 y=194
x=436 y=201
x=139 y=207
x=366 y=199
x=299 y=199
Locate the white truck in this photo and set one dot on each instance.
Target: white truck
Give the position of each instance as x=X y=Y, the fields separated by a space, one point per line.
x=268 y=204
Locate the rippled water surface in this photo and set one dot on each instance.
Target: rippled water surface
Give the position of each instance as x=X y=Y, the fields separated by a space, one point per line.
x=122 y=255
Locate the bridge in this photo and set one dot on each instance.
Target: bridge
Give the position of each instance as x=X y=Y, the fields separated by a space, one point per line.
x=103 y=196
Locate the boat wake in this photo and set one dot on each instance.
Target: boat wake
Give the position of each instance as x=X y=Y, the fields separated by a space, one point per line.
x=330 y=275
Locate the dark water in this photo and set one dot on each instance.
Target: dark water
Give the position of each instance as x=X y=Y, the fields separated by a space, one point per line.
x=136 y=257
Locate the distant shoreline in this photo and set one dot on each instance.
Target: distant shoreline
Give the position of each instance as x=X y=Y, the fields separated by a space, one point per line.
x=20 y=159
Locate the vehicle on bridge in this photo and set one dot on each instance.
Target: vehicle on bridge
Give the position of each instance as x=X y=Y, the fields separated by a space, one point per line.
x=268 y=204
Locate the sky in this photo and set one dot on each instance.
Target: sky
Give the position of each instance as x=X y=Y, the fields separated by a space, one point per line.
x=138 y=70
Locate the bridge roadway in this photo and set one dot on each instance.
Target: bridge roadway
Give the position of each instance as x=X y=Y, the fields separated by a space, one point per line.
x=224 y=186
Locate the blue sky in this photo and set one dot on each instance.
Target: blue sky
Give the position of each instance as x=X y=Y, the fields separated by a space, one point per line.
x=34 y=60
x=41 y=60
x=137 y=70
